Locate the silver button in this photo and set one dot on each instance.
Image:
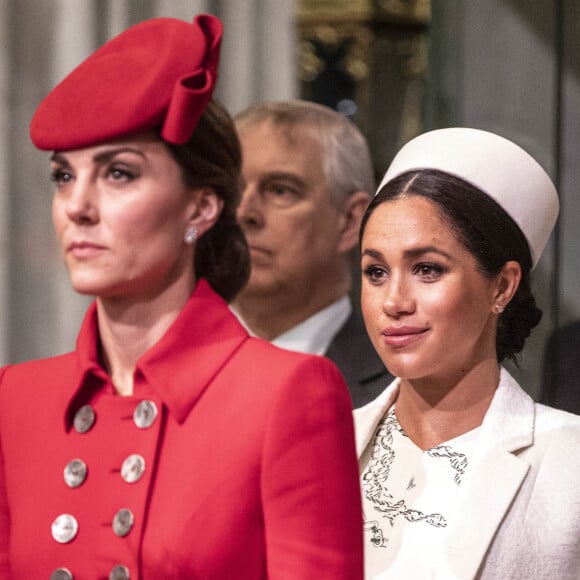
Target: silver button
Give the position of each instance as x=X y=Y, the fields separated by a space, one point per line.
x=133 y=468
x=64 y=528
x=75 y=473
x=84 y=419
x=119 y=573
x=145 y=414
x=61 y=574
x=123 y=522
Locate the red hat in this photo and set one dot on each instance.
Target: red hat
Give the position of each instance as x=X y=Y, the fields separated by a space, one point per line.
x=158 y=73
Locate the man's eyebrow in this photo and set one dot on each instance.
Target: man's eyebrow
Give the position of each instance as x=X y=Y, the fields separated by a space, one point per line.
x=285 y=175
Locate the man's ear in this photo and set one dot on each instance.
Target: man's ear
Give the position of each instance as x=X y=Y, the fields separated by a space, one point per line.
x=352 y=213
x=205 y=209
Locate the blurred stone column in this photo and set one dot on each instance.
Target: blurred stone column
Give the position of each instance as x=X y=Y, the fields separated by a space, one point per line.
x=4 y=184
x=258 y=53
x=45 y=39
x=183 y=9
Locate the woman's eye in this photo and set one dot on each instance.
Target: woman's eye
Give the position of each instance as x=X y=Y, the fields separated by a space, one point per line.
x=374 y=274
x=121 y=174
x=427 y=270
x=60 y=176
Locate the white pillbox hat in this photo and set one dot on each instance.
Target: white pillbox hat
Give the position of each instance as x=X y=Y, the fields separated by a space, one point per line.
x=498 y=167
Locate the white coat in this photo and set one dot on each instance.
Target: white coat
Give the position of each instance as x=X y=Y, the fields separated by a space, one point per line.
x=519 y=505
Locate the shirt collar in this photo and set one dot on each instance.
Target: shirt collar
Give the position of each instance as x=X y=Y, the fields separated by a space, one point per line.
x=313 y=335
x=180 y=366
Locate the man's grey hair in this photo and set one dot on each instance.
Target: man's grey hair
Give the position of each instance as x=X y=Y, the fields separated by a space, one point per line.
x=346 y=156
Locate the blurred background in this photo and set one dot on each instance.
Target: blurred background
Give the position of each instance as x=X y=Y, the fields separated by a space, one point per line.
x=396 y=67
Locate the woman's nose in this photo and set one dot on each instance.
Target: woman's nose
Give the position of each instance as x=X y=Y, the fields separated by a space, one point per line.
x=398 y=297
x=81 y=203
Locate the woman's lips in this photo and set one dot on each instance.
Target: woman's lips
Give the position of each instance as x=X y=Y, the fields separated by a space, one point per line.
x=403 y=335
x=83 y=249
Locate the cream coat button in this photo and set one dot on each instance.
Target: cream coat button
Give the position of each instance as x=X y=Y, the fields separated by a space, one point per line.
x=64 y=528
x=84 y=419
x=133 y=468
x=145 y=414
x=61 y=574
x=123 y=522
x=75 y=473
x=119 y=573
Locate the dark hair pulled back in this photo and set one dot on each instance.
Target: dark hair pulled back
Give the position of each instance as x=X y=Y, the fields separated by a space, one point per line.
x=212 y=158
x=487 y=232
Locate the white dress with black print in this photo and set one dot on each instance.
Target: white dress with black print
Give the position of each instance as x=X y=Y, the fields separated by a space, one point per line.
x=409 y=497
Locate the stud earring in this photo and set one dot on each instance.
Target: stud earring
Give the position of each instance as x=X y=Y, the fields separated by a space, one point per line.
x=498 y=308
x=190 y=234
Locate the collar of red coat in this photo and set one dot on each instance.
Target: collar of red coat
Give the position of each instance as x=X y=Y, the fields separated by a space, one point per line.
x=179 y=367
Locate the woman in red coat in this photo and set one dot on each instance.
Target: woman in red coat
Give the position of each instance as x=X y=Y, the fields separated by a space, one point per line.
x=169 y=444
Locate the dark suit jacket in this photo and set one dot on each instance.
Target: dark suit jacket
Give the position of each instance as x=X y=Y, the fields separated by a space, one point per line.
x=353 y=353
x=561 y=387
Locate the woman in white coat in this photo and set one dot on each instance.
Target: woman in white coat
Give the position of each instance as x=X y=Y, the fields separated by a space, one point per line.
x=463 y=475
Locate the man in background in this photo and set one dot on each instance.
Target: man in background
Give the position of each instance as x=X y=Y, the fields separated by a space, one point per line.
x=307 y=180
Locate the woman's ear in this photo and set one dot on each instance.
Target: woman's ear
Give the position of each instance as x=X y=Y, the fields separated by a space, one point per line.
x=205 y=209
x=507 y=283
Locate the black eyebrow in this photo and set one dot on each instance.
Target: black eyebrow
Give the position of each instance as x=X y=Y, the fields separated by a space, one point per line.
x=412 y=253
x=59 y=158
x=418 y=252
x=107 y=155
x=101 y=157
x=376 y=255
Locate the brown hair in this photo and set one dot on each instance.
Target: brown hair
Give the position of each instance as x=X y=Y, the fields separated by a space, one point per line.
x=212 y=158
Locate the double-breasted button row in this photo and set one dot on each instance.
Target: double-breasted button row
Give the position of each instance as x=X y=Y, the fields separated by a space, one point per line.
x=65 y=527
x=132 y=470
x=119 y=572
x=144 y=416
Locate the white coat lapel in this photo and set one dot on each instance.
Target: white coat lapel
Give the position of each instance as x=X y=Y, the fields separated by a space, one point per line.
x=367 y=418
x=492 y=481
x=480 y=511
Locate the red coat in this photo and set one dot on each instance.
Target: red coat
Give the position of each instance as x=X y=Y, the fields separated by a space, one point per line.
x=249 y=465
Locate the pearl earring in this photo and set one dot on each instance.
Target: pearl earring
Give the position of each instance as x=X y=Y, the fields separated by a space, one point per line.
x=498 y=308
x=190 y=234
